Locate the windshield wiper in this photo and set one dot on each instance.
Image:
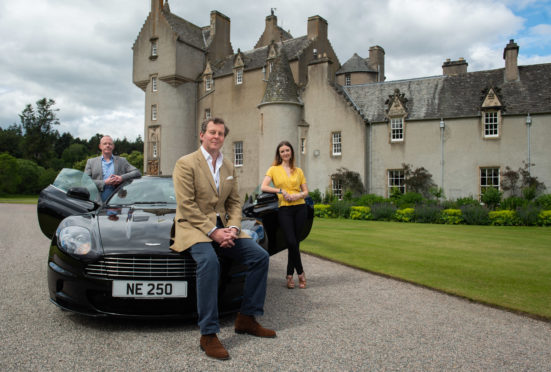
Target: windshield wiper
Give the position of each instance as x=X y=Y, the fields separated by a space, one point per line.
x=151 y=202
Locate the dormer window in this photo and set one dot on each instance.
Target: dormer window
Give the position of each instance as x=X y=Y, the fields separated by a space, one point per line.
x=396 y=115
x=396 y=129
x=208 y=83
x=491 y=114
x=239 y=76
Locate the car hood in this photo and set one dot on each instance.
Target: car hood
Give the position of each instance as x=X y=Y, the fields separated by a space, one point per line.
x=131 y=230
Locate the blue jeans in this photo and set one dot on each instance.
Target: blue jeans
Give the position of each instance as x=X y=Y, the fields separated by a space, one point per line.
x=244 y=251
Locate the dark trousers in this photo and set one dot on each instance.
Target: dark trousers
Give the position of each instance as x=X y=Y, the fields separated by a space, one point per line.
x=291 y=220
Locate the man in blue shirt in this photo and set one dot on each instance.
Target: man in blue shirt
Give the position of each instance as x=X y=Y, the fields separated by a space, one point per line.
x=108 y=170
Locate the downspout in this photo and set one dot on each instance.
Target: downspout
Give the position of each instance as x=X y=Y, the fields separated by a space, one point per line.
x=442 y=126
x=528 y=127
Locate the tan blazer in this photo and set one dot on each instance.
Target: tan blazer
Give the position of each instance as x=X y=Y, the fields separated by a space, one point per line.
x=198 y=201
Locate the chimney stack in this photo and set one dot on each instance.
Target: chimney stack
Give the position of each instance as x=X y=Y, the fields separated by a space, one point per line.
x=450 y=68
x=220 y=45
x=317 y=28
x=510 y=55
x=377 y=61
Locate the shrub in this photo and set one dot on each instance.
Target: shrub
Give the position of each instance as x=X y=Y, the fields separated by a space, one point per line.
x=316 y=196
x=513 y=203
x=544 y=218
x=360 y=213
x=409 y=199
x=370 y=199
x=469 y=200
x=382 y=211
x=491 y=197
x=322 y=210
x=340 y=208
x=449 y=204
x=528 y=214
x=405 y=215
x=428 y=213
x=452 y=216
x=475 y=214
x=503 y=218
x=544 y=202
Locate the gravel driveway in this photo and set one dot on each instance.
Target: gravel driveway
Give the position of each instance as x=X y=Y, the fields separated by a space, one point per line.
x=346 y=320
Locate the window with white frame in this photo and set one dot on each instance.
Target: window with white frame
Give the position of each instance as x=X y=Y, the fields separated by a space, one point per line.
x=239 y=76
x=154 y=48
x=303 y=145
x=154 y=84
x=347 y=79
x=155 y=150
x=396 y=180
x=153 y=112
x=271 y=66
x=207 y=114
x=396 y=129
x=336 y=143
x=489 y=177
x=336 y=188
x=491 y=124
x=208 y=83
x=238 y=153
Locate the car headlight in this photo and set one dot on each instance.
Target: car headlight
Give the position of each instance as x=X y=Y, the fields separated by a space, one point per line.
x=74 y=240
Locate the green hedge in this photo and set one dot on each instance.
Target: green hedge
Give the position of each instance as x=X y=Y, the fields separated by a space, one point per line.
x=468 y=214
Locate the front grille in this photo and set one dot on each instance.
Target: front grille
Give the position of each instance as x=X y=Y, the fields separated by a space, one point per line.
x=143 y=267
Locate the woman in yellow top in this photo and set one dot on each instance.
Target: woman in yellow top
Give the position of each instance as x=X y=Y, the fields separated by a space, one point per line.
x=290 y=185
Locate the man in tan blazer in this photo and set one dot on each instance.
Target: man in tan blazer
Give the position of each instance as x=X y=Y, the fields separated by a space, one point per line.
x=208 y=216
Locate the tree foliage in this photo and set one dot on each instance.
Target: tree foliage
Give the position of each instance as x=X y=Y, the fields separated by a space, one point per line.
x=38 y=126
x=350 y=181
x=418 y=180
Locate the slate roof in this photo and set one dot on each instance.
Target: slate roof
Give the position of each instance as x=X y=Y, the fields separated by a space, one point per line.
x=456 y=96
x=281 y=85
x=185 y=30
x=355 y=64
x=256 y=58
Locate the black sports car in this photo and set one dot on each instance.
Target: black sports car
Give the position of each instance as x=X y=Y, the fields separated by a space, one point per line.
x=113 y=258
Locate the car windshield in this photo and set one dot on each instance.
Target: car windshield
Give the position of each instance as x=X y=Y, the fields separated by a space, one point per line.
x=145 y=190
x=68 y=178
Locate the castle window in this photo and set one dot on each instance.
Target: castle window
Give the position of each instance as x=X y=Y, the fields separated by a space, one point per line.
x=489 y=177
x=396 y=129
x=396 y=180
x=238 y=153
x=154 y=84
x=303 y=145
x=154 y=150
x=207 y=114
x=208 y=82
x=336 y=143
x=153 y=112
x=154 y=48
x=239 y=76
x=336 y=188
x=347 y=79
x=491 y=123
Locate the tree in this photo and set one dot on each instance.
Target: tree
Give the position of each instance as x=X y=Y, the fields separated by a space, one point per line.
x=418 y=180
x=350 y=181
x=9 y=174
x=62 y=143
x=74 y=153
x=11 y=140
x=136 y=159
x=38 y=126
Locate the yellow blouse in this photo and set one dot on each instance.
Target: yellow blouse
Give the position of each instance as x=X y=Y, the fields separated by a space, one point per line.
x=291 y=184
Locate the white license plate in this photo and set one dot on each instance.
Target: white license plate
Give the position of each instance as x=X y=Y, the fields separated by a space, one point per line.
x=149 y=289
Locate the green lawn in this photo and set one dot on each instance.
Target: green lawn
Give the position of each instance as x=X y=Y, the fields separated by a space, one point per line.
x=505 y=266
x=19 y=199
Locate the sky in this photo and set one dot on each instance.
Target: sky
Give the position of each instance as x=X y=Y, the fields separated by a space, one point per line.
x=79 y=53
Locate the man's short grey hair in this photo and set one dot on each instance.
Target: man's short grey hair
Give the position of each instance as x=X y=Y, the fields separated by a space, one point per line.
x=215 y=121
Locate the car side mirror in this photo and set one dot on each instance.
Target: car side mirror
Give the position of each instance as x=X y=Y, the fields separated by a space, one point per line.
x=79 y=192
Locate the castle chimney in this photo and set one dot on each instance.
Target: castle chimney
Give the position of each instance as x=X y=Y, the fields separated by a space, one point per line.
x=377 y=61
x=156 y=7
x=510 y=55
x=450 y=68
x=219 y=46
x=317 y=28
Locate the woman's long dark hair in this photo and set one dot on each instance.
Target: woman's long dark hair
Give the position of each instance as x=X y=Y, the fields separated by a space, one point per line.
x=278 y=160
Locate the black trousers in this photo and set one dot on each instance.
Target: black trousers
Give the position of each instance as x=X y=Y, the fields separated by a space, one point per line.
x=291 y=220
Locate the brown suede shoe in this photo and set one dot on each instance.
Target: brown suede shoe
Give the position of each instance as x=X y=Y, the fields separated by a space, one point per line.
x=248 y=324
x=213 y=347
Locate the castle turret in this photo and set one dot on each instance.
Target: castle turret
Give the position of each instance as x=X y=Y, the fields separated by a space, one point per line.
x=280 y=111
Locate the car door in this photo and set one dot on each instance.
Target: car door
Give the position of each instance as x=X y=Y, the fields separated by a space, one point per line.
x=266 y=208
x=72 y=192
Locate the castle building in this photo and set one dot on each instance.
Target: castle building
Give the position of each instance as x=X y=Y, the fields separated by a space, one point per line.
x=463 y=127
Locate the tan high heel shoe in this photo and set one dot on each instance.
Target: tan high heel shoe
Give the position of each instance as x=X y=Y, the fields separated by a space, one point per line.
x=290 y=282
x=302 y=281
